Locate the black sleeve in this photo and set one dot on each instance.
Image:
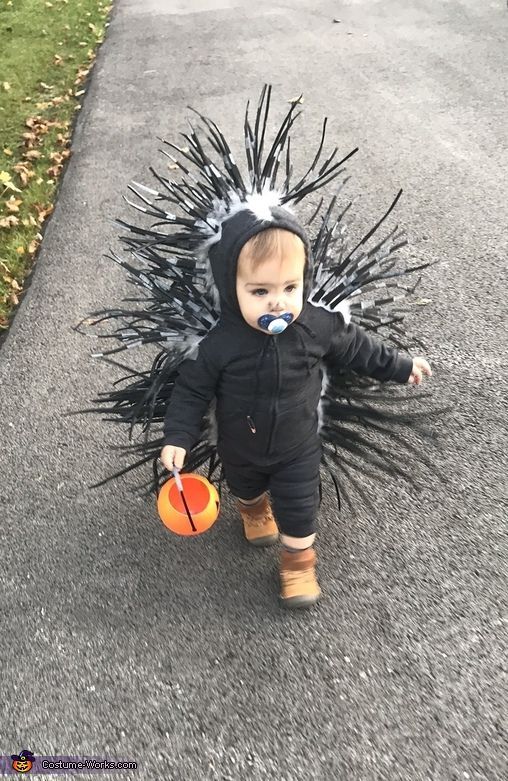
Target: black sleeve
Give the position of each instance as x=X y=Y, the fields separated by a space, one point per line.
x=353 y=348
x=193 y=391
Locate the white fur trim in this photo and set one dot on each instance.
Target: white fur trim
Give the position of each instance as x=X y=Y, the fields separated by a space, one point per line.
x=211 y=421
x=343 y=308
x=324 y=388
x=260 y=204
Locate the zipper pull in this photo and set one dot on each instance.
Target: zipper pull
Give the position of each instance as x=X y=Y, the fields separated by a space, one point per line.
x=251 y=423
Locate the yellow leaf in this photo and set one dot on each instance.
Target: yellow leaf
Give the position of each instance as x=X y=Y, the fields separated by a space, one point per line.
x=14 y=299
x=20 y=250
x=46 y=86
x=49 y=5
x=5 y=179
x=6 y=86
x=8 y=152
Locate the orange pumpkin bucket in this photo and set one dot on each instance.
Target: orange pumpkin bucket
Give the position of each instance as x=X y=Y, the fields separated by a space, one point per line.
x=188 y=504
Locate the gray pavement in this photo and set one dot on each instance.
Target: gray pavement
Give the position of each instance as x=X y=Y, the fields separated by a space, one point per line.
x=118 y=638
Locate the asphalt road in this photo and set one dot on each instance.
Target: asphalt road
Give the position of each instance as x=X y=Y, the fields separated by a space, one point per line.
x=119 y=639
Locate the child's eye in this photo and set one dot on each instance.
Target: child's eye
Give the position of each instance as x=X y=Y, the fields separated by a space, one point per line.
x=259 y=291
x=290 y=288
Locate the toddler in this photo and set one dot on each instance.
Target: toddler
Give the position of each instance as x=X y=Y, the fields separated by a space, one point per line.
x=264 y=364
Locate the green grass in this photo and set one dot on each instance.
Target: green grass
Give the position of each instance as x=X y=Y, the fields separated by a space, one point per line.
x=46 y=51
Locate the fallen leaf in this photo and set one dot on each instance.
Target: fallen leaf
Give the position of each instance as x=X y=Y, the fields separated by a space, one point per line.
x=9 y=222
x=46 y=86
x=57 y=59
x=42 y=212
x=32 y=248
x=32 y=154
x=8 y=152
x=6 y=86
x=14 y=299
x=30 y=139
x=6 y=181
x=13 y=204
x=20 y=250
x=24 y=172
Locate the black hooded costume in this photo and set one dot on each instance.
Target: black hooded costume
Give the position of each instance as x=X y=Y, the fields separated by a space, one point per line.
x=267 y=411
x=268 y=386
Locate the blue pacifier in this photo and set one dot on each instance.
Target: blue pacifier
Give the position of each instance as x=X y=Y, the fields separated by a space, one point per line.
x=276 y=324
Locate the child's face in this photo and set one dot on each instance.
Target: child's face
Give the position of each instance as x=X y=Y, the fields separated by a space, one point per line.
x=273 y=287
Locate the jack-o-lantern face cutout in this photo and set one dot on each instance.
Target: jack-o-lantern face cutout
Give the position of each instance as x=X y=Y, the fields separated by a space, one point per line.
x=23 y=762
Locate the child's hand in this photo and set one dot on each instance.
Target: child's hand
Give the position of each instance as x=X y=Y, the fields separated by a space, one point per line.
x=172 y=456
x=420 y=367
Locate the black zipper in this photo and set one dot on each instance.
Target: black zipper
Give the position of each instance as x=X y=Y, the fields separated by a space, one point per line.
x=276 y=405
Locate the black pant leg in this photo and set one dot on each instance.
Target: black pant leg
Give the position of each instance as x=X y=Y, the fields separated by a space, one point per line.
x=245 y=481
x=294 y=490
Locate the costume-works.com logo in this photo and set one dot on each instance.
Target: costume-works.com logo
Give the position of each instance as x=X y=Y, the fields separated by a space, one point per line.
x=22 y=762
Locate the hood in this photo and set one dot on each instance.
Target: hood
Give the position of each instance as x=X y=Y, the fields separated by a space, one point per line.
x=235 y=232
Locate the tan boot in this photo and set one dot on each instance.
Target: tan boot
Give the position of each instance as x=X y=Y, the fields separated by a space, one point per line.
x=299 y=586
x=259 y=525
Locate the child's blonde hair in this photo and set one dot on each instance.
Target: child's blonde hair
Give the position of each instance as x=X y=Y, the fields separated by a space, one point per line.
x=273 y=241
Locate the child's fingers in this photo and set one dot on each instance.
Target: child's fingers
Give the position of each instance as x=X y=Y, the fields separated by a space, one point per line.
x=424 y=366
x=416 y=376
x=179 y=457
x=167 y=457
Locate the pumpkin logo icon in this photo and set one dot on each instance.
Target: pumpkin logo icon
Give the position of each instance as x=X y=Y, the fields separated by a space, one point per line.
x=22 y=762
